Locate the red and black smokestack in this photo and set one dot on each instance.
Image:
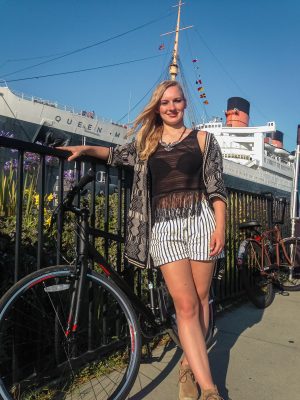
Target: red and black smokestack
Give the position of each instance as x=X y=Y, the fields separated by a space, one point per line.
x=275 y=138
x=237 y=113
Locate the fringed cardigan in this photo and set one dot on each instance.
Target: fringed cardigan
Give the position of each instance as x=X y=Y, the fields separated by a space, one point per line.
x=139 y=215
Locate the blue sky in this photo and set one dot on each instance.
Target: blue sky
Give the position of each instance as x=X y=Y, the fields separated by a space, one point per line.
x=244 y=48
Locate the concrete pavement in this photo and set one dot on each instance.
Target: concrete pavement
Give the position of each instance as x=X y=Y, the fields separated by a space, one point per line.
x=256 y=356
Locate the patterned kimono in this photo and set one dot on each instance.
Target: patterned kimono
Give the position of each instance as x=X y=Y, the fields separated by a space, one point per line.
x=139 y=215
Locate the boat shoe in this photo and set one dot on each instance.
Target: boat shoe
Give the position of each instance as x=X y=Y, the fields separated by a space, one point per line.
x=210 y=394
x=187 y=384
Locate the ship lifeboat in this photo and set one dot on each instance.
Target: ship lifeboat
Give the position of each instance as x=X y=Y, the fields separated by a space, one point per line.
x=292 y=157
x=269 y=147
x=281 y=152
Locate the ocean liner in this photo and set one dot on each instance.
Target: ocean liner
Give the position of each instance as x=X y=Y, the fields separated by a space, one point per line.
x=254 y=157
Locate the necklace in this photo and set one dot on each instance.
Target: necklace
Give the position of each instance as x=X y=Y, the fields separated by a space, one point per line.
x=170 y=146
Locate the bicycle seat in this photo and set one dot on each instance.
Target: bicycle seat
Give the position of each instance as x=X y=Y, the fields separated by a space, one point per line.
x=249 y=224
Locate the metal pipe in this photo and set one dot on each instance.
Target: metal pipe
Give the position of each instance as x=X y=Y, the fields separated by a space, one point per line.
x=294 y=196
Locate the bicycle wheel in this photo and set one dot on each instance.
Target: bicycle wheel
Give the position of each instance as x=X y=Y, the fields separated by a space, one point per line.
x=259 y=287
x=40 y=360
x=289 y=269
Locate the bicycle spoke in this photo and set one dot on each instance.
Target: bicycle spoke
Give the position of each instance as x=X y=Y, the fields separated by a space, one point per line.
x=289 y=269
x=37 y=356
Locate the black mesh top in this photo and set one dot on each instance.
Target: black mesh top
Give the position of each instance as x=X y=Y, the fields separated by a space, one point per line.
x=177 y=171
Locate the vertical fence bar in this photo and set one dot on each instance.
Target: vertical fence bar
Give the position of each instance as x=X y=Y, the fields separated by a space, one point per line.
x=60 y=194
x=228 y=245
x=77 y=169
x=106 y=212
x=20 y=190
x=41 y=190
x=93 y=203
x=119 y=220
x=92 y=310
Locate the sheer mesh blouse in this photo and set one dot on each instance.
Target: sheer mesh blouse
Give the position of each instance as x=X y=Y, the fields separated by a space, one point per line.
x=176 y=177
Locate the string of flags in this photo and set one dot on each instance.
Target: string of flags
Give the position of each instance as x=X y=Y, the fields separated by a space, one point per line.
x=200 y=87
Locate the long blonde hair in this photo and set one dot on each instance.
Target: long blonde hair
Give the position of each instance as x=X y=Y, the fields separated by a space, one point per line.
x=148 y=125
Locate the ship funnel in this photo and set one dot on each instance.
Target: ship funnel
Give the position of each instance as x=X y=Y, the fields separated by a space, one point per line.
x=275 y=138
x=237 y=113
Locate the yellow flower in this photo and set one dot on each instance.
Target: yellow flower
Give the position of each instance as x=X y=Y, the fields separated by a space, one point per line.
x=36 y=198
x=48 y=221
x=50 y=197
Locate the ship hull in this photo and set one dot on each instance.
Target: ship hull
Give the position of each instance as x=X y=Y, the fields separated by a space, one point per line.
x=33 y=132
x=239 y=177
x=30 y=118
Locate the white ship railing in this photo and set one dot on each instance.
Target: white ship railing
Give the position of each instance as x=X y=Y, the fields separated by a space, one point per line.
x=69 y=109
x=279 y=165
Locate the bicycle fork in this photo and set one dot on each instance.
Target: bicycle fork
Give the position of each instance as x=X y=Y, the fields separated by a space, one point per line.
x=80 y=281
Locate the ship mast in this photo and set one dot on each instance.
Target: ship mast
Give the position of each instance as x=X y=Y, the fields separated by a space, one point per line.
x=173 y=68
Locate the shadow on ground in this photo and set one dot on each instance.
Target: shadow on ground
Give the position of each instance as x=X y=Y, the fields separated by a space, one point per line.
x=231 y=325
x=155 y=369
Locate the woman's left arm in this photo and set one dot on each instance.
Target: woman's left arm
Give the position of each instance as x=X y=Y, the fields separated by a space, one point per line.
x=213 y=169
x=217 y=240
x=216 y=191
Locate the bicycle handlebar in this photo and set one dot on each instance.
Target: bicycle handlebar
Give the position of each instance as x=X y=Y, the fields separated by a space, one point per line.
x=89 y=177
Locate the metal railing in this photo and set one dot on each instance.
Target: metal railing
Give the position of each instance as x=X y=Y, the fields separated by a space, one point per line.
x=108 y=202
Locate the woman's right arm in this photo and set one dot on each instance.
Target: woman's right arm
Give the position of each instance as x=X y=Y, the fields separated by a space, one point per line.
x=93 y=151
x=122 y=155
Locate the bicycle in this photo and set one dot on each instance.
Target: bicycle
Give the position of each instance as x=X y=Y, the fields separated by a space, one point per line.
x=71 y=332
x=266 y=260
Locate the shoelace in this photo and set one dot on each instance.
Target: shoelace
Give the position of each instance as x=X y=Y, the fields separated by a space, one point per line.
x=183 y=375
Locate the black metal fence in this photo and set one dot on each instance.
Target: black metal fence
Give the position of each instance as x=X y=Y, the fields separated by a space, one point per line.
x=29 y=196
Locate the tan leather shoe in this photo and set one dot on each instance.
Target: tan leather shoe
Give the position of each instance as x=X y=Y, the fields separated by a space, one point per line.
x=210 y=394
x=187 y=385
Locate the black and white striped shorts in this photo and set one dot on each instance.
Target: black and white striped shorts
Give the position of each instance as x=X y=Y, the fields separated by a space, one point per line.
x=188 y=237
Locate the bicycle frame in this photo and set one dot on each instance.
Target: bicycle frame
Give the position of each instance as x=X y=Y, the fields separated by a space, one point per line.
x=88 y=252
x=264 y=240
x=158 y=313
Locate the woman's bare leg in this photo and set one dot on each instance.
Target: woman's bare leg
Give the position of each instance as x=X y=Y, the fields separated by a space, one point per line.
x=202 y=273
x=179 y=277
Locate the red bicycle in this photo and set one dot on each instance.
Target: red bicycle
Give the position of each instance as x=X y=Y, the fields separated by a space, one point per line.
x=267 y=260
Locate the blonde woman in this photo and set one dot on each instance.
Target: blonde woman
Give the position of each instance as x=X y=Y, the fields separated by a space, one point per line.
x=176 y=219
